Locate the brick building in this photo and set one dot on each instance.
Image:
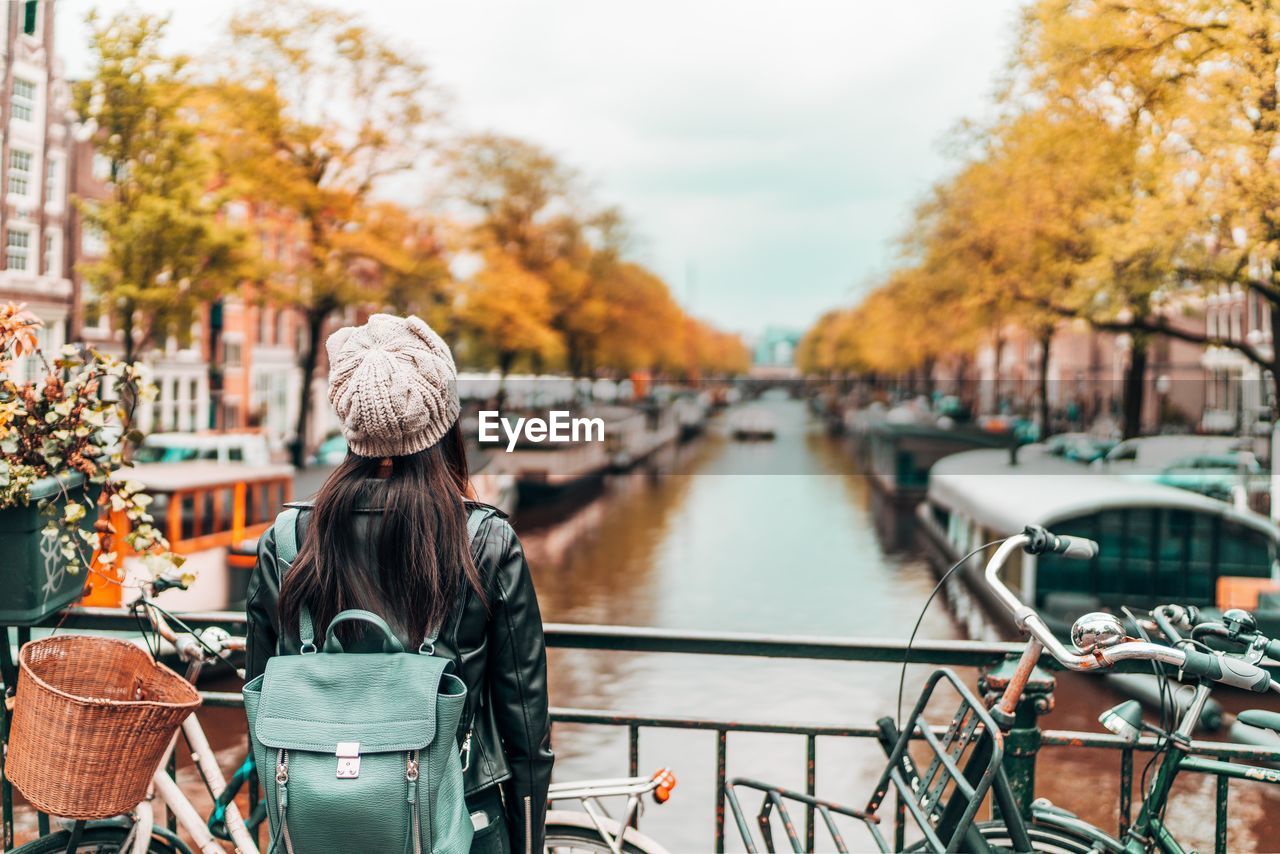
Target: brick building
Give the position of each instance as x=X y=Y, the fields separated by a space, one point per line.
x=39 y=138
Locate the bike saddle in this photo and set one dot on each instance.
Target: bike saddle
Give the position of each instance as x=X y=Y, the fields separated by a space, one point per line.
x=1261 y=719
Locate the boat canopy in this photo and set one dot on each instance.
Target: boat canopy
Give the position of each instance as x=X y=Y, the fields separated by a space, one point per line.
x=1042 y=490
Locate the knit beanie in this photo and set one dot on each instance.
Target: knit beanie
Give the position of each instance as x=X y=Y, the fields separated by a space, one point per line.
x=394 y=385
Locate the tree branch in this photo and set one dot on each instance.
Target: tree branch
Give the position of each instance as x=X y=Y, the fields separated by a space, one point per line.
x=1160 y=327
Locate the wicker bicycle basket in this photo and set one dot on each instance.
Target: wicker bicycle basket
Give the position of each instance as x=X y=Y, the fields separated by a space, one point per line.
x=93 y=718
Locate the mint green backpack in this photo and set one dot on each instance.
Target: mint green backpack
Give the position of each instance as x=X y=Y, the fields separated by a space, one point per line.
x=357 y=752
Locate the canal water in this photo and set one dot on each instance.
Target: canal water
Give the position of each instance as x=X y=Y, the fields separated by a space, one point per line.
x=778 y=537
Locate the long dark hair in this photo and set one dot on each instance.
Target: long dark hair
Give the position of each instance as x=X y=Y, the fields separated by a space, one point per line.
x=394 y=543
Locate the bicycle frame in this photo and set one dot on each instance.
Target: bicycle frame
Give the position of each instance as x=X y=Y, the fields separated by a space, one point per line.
x=171 y=795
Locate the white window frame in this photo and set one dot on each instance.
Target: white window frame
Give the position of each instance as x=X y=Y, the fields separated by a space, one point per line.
x=39 y=33
x=23 y=105
x=23 y=175
x=93 y=242
x=100 y=167
x=11 y=232
x=53 y=179
x=233 y=343
x=52 y=253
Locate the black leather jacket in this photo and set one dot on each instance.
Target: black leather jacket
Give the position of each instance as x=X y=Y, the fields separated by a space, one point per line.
x=499 y=654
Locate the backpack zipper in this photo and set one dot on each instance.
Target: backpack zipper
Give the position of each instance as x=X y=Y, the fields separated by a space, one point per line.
x=282 y=795
x=465 y=753
x=411 y=778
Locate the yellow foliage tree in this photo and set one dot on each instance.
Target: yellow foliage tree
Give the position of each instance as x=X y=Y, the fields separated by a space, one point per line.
x=507 y=312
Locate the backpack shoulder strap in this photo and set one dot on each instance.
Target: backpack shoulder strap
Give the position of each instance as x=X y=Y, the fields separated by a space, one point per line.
x=285 y=529
x=475 y=518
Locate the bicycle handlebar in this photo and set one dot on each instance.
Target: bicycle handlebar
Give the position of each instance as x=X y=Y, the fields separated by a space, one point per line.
x=188 y=646
x=1041 y=541
x=1034 y=540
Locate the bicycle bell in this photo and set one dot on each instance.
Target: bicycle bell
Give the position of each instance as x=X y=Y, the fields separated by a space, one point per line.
x=1096 y=630
x=1239 y=621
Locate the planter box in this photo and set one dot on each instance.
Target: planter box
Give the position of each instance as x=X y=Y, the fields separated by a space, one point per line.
x=34 y=582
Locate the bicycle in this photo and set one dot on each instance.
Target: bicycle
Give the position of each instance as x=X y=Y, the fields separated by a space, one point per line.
x=138 y=833
x=1099 y=642
x=593 y=829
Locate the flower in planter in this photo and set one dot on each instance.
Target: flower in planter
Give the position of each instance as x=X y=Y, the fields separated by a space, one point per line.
x=72 y=420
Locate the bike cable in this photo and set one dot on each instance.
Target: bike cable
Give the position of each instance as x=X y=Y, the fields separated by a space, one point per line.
x=186 y=629
x=906 y=655
x=1168 y=705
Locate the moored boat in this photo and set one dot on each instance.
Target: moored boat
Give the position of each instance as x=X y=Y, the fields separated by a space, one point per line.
x=898 y=459
x=1157 y=543
x=753 y=423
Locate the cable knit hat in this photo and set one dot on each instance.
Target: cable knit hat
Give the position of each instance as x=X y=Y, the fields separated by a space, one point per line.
x=394 y=385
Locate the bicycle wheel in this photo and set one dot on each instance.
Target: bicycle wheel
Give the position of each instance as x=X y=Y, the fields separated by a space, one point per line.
x=1044 y=838
x=100 y=839
x=568 y=832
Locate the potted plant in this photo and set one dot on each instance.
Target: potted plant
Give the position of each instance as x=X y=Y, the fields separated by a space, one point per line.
x=63 y=428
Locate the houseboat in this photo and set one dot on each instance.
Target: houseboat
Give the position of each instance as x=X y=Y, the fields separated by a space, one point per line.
x=1157 y=544
x=898 y=458
x=634 y=433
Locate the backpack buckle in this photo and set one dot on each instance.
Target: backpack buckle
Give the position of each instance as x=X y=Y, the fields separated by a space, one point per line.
x=348 y=753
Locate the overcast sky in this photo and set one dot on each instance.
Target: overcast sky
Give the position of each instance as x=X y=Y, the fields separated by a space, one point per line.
x=766 y=153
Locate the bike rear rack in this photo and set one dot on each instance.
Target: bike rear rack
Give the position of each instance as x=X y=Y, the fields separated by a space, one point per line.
x=964 y=763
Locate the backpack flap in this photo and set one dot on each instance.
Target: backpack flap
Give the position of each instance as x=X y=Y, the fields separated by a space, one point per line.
x=385 y=702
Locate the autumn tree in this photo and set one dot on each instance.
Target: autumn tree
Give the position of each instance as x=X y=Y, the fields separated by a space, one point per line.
x=166 y=253
x=409 y=264
x=529 y=205
x=1195 y=84
x=316 y=113
x=507 y=311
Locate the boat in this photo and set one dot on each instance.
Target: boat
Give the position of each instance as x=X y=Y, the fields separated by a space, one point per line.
x=491 y=481
x=1158 y=544
x=753 y=423
x=691 y=415
x=899 y=455
x=634 y=433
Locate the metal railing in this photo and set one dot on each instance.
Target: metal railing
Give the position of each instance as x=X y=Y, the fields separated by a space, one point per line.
x=989 y=658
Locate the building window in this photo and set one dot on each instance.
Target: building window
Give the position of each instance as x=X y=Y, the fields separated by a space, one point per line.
x=92 y=241
x=19 y=171
x=24 y=99
x=32 y=367
x=17 y=249
x=101 y=168
x=231 y=353
x=31 y=17
x=52 y=255
x=52 y=179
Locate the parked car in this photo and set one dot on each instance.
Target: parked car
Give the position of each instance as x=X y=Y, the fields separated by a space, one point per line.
x=331 y=451
x=1078 y=447
x=247 y=448
x=1153 y=454
x=1215 y=475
